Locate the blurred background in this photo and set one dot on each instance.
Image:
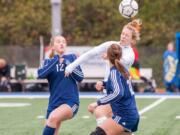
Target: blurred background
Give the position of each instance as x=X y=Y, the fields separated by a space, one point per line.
x=26 y=25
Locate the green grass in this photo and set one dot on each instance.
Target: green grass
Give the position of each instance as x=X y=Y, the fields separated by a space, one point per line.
x=161 y=119
x=23 y=120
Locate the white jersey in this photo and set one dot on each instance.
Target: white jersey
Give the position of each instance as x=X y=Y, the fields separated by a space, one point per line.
x=126 y=60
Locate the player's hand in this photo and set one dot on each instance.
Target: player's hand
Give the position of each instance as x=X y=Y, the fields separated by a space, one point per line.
x=68 y=70
x=66 y=73
x=92 y=107
x=99 y=86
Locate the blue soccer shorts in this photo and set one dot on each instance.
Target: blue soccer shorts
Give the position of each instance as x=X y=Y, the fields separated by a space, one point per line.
x=130 y=125
x=73 y=106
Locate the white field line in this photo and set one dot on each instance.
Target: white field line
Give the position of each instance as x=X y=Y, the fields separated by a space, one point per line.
x=138 y=96
x=14 y=104
x=154 y=104
x=85 y=117
x=177 y=117
x=88 y=96
x=41 y=117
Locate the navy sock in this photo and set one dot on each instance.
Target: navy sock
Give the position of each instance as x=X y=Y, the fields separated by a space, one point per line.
x=48 y=130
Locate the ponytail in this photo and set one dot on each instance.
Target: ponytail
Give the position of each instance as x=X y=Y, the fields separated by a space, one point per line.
x=114 y=54
x=51 y=55
x=121 y=69
x=135 y=25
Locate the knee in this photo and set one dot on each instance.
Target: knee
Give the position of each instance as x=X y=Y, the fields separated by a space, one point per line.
x=53 y=120
x=98 y=131
x=98 y=112
x=91 y=109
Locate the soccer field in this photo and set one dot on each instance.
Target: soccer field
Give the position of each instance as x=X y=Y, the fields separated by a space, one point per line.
x=160 y=116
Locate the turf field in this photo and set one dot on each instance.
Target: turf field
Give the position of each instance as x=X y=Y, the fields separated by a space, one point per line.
x=157 y=119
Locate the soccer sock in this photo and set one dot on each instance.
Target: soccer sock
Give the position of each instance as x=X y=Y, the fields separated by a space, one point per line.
x=48 y=130
x=98 y=131
x=100 y=120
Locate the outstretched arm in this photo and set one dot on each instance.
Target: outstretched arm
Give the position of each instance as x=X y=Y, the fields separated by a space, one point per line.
x=89 y=54
x=77 y=73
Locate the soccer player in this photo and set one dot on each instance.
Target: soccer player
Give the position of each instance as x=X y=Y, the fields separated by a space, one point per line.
x=120 y=96
x=130 y=32
x=4 y=76
x=64 y=96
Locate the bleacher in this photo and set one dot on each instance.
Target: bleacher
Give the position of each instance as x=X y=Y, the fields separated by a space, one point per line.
x=95 y=69
x=91 y=77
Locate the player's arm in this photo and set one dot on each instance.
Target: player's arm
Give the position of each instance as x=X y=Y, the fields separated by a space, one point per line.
x=77 y=73
x=100 y=85
x=117 y=93
x=47 y=67
x=88 y=55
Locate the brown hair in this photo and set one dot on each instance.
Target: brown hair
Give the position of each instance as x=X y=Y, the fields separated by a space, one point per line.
x=114 y=54
x=135 y=26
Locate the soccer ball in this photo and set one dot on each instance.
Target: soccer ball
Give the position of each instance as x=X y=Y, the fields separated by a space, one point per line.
x=128 y=8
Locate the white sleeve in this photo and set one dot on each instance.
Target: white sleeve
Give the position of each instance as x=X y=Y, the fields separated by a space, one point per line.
x=104 y=46
x=98 y=50
x=127 y=57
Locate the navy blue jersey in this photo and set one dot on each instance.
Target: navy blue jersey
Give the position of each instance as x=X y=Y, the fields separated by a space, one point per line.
x=61 y=88
x=120 y=96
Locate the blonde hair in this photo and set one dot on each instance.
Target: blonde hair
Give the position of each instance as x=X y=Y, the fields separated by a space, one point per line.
x=135 y=26
x=51 y=55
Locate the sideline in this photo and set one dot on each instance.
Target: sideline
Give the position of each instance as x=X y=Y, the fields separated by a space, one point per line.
x=85 y=95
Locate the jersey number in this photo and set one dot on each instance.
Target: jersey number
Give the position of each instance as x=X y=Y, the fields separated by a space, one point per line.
x=60 y=67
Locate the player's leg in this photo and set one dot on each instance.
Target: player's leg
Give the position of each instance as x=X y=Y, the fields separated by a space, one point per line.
x=102 y=113
x=48 y=130
x=103 y=110
x=58 y=115
x=109 y=127
x=116 y=125
x=125 y=133
x=57 y=129
x=73 y=109
x=91 y=108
